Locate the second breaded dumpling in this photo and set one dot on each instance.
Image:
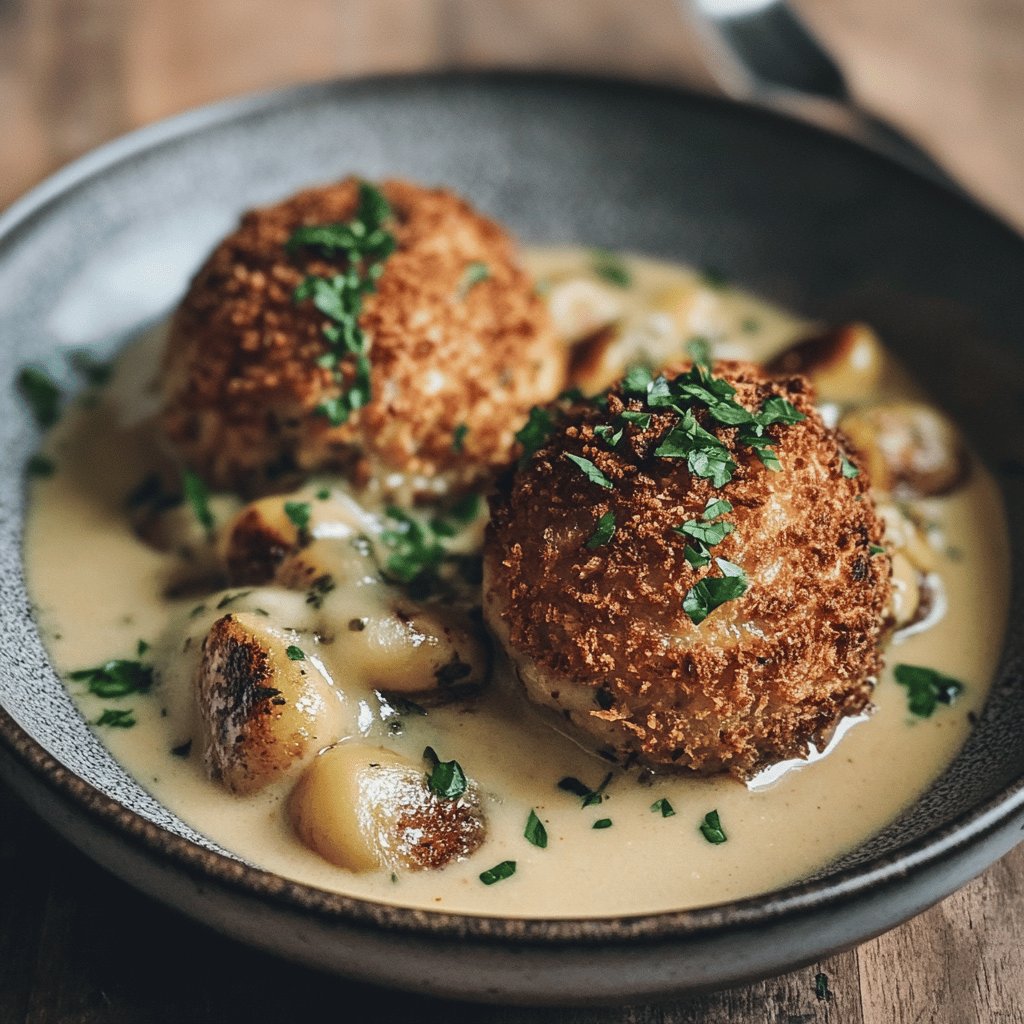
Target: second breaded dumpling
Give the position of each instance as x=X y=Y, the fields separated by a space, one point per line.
x=265 y=380
x=688 y=570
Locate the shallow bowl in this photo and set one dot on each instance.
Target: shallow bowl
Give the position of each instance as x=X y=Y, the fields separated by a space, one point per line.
x=804 y=218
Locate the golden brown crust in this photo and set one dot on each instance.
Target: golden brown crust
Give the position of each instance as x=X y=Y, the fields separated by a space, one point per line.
x=604 y=630
x=241 y=380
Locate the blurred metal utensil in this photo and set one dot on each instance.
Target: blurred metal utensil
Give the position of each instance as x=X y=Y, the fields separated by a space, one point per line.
x=762 y=51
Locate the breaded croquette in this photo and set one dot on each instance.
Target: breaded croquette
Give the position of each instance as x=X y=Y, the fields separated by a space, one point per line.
x=268 y=376
x=687 y=570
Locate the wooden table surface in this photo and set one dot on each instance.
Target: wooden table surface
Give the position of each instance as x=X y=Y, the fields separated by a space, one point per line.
x=78 y=946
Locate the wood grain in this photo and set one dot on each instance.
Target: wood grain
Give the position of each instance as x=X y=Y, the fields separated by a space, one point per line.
x=78 y=946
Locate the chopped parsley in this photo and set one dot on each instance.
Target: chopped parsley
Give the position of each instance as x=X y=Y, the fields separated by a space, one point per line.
x=602 y=823
x=141 y=648
x=570 y=784
x=506 y=869
x=116 y=678
x=699 y=350
x=641 y=420
x=604 y=530
x=40 y=466
x=706 y=456
x=611 y=268
x=459 y=437
x=748 y=325
x=711 y=828
x=610 y=435
x=474 y=274
x=446 y=778
x=324 y=494
x=926 y=688
x=848 y=469
x=415 y=551
x=466 y=509
x=95 y=371
x=363 y=244
x=535 y=831
x=117 y=718
x=875 y=549
x=318 y=590
x=295 y=653
x=299 y=512
x=41 y=395
x=707 y=533
x=821 y=989
x=199 y=498
x=662 y=805
x=534 y=433
x=229 y=599
x=714 y=591
x=590 y=471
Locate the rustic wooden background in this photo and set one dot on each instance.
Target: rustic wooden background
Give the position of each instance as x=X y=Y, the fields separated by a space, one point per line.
x=77 y=946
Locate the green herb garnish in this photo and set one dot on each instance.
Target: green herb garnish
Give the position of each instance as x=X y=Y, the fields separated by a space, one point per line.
x=610 y=435
x=475 y=273
x=602 y=823
x=711 y=828
x=299 y=512
x=570 y=784
x=40 y=466
x=821 y=989
x=95 y=371
x=363 y=244
x=117 y=718
x=459 y=437
x=141 y=648
x=706 y=456
x=295 y=653
x=713 y=591
x=534 y=433
x=535 y=831
x=415 y=551
x=590 y=471
x=699 y=350
x=637 y=380
x=875 y=549
x=318 y=590
x=41 y=395
x=466 y=509
x=926 y=688
x=848 y=469
x=662 y=805
x=323 y=494
x=446 y=778
x=641 y=420
x=604 y=530
x=506 y=869
x=229 y=599
x=116 y=678
x=199 y=498
x=611 y=268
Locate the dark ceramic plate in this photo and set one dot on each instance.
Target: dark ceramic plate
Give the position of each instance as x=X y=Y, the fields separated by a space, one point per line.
x=810 y=221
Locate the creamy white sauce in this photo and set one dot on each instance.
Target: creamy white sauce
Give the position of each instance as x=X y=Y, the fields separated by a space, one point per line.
x=97 y=591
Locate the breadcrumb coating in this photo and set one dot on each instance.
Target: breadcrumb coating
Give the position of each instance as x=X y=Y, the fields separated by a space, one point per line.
x=454 y=367
x=600 y=635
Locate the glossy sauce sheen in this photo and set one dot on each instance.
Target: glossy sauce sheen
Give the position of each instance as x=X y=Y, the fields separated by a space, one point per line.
x=98 y=590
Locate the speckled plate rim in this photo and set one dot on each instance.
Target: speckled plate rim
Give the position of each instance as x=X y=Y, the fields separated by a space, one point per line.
x=833 y=890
